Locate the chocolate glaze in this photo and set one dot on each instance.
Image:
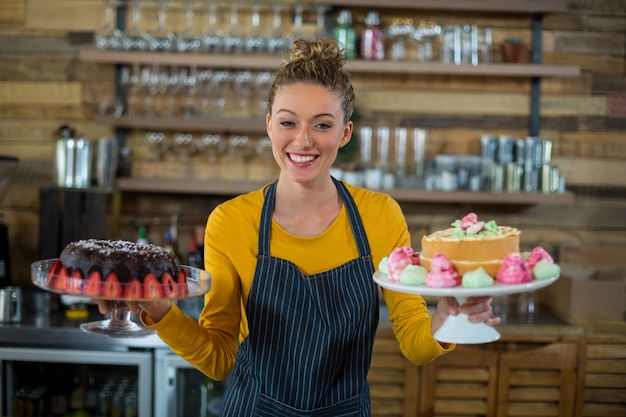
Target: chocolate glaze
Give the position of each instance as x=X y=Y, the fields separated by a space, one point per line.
x=126 y=259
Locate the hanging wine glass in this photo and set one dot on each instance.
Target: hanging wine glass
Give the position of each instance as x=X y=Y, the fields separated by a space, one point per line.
x=262 y=85
x=242 y=90
x=297 y=32
x=150 y=83
x=239 y=147
x=212 y=39
x=264 y=149
x=157 y=144
x=129 y=81
x=214 y=146
x=184 y=145
x=190 y=83
x=255 y=41
x=189 y=40
x=109 y=36
x=278 y=42
x=135 y=37
x=162 y=39
x=320 y=25
x=233 y=42
x=219 y=83
x=174 y=86
x=205 y=89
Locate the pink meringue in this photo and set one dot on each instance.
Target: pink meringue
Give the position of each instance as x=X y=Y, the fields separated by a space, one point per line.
x=514 y=270
x=442 y=273
x=537 y=254
x=398 y=259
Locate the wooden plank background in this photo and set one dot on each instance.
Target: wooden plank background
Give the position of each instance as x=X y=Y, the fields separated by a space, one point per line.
x=44 y=85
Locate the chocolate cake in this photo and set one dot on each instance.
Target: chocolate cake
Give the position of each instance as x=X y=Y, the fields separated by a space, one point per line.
x=118 y=269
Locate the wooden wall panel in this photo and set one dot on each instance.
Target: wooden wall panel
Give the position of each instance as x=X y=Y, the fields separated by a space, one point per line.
x=43 y=85
x=12 y=11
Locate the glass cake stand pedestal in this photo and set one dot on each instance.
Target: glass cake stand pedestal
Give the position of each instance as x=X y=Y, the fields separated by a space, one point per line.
x=119 y=324
x=458 y=329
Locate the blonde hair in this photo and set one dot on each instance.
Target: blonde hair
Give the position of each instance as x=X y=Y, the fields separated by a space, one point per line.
x=320 y=62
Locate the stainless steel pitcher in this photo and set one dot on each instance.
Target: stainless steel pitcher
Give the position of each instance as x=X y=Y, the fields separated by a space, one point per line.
x=74 y=158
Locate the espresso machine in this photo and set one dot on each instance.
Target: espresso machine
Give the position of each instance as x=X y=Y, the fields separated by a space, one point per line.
x=7 y=166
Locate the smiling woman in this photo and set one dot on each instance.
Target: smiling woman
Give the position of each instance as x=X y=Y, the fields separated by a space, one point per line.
x=298 y=255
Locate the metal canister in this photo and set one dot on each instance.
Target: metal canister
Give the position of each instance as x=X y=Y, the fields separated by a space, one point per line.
x=74 y=159
x=513 y=177
x=497 y=178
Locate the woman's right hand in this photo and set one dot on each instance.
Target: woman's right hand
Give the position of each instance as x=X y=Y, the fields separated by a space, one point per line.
x=156 y=309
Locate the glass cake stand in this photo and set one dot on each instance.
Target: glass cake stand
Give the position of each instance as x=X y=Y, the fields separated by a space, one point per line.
x=119 y=324
x=458 y=329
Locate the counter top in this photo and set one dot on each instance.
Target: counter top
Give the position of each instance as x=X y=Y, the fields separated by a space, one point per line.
x=56 y=330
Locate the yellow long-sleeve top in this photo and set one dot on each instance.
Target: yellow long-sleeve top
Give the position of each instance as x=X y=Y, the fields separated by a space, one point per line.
x=231 y=246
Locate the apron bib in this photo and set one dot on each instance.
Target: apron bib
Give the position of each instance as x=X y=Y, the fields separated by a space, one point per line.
x=311 y=336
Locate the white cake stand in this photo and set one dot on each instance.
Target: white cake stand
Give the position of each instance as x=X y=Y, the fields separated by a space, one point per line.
x=119 y=325
x=458 y=329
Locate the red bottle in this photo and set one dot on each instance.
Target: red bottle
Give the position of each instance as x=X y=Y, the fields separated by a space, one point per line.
x=372 y=44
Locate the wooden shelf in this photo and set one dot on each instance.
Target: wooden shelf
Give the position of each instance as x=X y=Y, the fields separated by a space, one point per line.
x=269 y=62
x=188 y=125
x=233 y=188
x=482 y=6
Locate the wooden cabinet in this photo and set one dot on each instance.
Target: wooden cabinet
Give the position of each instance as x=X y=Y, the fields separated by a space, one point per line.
x=502 y=379
x=603 y=387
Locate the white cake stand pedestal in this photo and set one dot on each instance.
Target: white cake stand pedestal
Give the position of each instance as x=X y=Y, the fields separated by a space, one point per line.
x=458 y=329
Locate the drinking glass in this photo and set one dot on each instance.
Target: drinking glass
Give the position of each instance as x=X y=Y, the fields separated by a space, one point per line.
x=219 y=82
x=419 y=152
x=527 y=306
x=174 y=86
x=184 y=145
x=213 y=145
x=262 y=85
x=135 y=37
x=189 y=79
x=129 y=80
x=255 y=41
x=485 y=42
x=213 y=37
x=205 y=91
x=239 y=148
x=320 y=22
x=109 y=36
x=234 y=42
x=278 y=42
x=189 y=40
x=150 y=82
x=242 y=91
x=297 y=24
x=400 y=142
x=162 y=39
x=264 y=149
x=158 y=145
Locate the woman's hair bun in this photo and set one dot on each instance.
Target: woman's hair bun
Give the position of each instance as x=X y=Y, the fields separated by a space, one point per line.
x=323 y=49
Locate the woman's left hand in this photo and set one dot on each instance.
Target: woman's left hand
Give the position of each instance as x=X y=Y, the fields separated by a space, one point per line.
x=478 y=310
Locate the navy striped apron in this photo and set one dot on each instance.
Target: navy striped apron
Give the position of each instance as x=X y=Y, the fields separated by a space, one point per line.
x=311 y=336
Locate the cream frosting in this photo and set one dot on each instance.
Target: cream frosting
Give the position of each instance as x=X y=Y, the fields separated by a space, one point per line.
x=514 y=270
x=413 y=275
x=399 y=259
x=545 y=269
x=477 y=278
x=442 y=273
